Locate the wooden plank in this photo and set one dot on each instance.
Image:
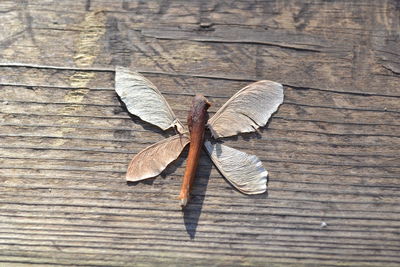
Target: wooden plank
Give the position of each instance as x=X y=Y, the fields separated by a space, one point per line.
x=331 y=149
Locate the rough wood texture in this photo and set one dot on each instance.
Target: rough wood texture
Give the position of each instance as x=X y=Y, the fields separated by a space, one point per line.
x=332 y=149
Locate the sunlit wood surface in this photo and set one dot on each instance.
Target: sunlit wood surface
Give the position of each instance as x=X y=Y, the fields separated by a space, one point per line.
x=332 y=149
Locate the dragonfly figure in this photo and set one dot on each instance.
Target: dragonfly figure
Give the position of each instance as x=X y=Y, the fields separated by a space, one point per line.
x=246 y=111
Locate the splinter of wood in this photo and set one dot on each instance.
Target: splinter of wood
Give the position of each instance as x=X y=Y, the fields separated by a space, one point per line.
x=197 y=120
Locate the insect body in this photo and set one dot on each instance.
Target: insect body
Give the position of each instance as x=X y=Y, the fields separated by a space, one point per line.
x=197 y=120
x=249 y=109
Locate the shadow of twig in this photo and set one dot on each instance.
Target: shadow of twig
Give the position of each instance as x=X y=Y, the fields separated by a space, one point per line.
x=191 y=213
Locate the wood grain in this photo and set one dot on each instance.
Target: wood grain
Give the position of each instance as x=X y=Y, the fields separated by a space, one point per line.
x=331 y=149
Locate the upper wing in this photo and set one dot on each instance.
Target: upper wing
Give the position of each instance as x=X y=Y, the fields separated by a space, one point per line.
x=243 y=171
x=143 y=99
x=152 y=160
x=247 y=110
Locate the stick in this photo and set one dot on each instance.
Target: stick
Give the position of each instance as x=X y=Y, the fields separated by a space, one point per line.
x=197 y=120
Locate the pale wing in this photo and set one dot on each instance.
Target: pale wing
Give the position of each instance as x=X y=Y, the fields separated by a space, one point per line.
x=152 y=160
x=247 y=110
x=143 y=99
x=243 y=171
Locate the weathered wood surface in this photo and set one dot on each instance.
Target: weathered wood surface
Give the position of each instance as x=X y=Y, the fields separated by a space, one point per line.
x=332 y=149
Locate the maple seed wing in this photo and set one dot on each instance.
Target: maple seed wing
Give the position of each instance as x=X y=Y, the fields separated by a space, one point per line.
x=247 y=110
x=244 y=171
x=143 y=99
x=152 y=160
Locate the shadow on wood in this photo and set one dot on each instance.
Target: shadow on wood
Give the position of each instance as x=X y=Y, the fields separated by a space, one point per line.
x=192 y=212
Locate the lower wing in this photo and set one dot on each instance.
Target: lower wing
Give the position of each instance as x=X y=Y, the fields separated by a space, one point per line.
x=152 y=160
x=244 y=171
